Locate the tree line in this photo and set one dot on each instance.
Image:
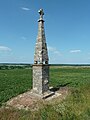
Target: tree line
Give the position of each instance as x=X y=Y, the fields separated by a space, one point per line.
x=8 y=67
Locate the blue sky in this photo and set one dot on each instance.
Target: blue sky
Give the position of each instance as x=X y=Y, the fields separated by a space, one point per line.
x=67 y=29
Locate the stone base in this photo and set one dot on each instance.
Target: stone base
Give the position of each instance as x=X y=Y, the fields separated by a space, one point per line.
x=44 y=95
x=40 y=78
x=48 y=94
x=32 y=101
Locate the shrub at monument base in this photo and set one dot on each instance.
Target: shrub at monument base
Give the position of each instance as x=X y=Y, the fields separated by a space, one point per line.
x=75 y=107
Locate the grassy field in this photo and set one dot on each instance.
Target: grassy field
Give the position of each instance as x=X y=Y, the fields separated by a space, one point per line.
x=75 y=107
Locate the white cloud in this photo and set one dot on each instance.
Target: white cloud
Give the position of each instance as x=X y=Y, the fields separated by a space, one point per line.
x=54 y=50
x=51 y=48
x=4 y=48
x=75 y=51
x=23 y=38
x=25 y=8
x=89 y=58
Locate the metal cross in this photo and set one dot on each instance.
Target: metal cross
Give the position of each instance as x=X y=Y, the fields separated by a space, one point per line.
x=41 y=13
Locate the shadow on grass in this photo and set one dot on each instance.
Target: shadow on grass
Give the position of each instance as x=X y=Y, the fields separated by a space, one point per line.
x=54 y=89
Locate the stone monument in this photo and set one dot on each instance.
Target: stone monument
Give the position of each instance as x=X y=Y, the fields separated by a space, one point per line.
x=41 y=66
x=40 y=76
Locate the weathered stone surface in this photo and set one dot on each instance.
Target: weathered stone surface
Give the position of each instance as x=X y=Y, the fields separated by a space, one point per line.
x=41 y=53
x=41 y=67
x=40 y=78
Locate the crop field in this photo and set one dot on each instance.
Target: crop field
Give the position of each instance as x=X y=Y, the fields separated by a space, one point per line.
x=76 y=106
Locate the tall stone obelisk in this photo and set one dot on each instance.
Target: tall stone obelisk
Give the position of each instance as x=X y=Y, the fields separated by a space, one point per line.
x=41 y=66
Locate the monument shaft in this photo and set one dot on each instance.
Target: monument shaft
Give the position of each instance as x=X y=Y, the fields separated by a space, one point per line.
x=41 y=67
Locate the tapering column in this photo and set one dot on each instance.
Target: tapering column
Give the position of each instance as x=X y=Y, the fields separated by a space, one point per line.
x=41 y=54
x=40 y=66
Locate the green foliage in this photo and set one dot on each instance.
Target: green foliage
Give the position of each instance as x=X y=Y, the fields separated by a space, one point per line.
x=75 y=107
x=16 y=66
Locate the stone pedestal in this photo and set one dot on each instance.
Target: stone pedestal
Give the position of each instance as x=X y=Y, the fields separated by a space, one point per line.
x=40 y=78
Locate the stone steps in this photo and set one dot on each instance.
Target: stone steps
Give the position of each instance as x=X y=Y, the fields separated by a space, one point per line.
x=48 y=94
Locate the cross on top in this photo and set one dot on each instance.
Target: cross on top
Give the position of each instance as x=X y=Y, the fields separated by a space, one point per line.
x=41 y=13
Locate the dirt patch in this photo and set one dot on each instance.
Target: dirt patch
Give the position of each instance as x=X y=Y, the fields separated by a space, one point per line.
x=31 y=101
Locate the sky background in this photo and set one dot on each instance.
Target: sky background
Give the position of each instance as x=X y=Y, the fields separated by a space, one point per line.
x=67 y=29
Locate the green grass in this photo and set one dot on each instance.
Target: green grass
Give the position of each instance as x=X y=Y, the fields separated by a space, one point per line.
x=75 y=107
x=14 y=82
